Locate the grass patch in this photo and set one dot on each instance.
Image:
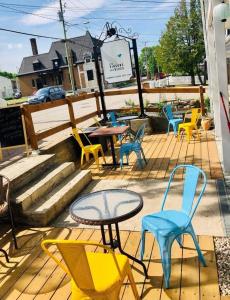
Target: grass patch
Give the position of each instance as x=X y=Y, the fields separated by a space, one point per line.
x=17 y=101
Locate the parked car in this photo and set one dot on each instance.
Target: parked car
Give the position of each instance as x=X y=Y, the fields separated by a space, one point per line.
x=17 y=94
x=47 y=94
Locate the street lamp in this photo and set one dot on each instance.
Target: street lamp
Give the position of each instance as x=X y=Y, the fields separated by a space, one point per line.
x=221 y=12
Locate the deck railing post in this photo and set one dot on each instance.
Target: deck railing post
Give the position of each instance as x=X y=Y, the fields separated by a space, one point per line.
x=30 y=127
x=202 y=106
x=98 y=104
x=71 y=112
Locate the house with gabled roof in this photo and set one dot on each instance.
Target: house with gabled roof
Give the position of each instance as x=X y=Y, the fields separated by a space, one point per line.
x=51 y=68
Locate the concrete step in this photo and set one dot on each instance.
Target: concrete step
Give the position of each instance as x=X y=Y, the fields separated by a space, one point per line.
x=41 y=186
x=49 y=207
x=27 y=169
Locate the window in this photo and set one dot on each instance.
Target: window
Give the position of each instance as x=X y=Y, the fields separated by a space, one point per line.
x=58 y=79
x=87 y=57
x=55 y=63
x=90 y=75
x=33 y=83
x=36 y=66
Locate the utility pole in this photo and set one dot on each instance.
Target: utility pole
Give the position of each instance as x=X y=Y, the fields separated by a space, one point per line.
x=69 y=59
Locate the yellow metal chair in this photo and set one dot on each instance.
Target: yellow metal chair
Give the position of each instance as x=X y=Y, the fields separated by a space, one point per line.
x=94 y=275
x=88 y=149
x=188 y=127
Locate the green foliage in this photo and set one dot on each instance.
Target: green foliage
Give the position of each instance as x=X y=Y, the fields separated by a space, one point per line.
x=160 y=106
x=8 y=74
x=147 y=61
x=129 y=102
x=207 y=104
x=181 y=49
x=146 y=103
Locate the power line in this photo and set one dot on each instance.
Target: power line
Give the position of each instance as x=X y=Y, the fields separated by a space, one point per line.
x=30 y=34
x=26 y=12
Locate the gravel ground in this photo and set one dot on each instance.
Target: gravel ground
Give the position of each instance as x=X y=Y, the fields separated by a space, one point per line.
x=222 y=246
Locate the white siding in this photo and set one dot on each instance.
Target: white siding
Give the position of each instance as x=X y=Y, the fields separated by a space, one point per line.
x=5 y=87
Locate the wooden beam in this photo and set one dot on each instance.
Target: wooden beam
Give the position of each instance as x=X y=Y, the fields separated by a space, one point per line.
x=71 y=113
x=202 y=106
x=46 y=133
x=42 y=106
x=29 y=127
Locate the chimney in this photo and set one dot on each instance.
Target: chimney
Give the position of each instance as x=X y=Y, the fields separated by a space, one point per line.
x=34 y=46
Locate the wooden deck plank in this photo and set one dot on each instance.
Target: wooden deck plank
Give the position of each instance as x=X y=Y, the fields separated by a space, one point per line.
x=43 y=284
x=36 y=277
x=209 y=288
x=163 y=154
x=190 y=284
x=137 y=269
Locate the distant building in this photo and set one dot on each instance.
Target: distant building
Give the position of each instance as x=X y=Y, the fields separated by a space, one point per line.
x=6 y=90
x=47 y=69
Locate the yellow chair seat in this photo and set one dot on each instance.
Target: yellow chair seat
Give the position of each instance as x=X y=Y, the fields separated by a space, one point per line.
x=92 y=147
x=190 y=126
x=94 y=275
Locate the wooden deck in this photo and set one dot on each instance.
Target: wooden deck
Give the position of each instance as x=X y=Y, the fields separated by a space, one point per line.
x=33 y=275
x=163 y=153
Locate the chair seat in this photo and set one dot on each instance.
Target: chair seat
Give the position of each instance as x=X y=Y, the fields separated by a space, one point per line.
x=165 y=222
x=176 y=120
x=92 y=147
x=104 y=273
x=187 y=124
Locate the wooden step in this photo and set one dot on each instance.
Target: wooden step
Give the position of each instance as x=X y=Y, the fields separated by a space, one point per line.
x=43 y=185
x=49 y=207
x=27 y=169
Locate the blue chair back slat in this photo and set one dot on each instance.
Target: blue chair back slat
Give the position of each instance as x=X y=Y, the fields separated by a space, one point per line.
x=140 y=134
x=192 y=175
x=189 y=192
x=167 y=109
x=112 y=118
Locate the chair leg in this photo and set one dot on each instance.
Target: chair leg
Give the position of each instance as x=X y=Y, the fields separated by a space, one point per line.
x=179 y=240
x=103 y=156
x=142 y=243
x=178 y=134
x=13 y=228
x=132 y=283
x=95 y=155
x=168 y=128
x=82 y=158
x=200 y=255
x=143 y=155
x=165 y=250
x=5 y=253
x=139 y=159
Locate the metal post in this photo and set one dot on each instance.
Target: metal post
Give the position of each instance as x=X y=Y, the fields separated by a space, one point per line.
x=99 y=81
x=69 y=60
x=142 y=115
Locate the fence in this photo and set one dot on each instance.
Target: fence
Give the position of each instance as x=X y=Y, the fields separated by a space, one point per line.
x=34 y=137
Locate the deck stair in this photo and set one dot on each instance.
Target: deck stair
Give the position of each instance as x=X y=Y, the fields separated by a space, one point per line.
x=41 y=189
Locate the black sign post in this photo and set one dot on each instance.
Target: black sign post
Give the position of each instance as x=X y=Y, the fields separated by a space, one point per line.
x=135 y=54
x=99 y=81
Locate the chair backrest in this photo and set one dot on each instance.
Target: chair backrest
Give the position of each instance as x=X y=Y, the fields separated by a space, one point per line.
x=191 y=177
x=195 y=115
x=76 y=261
x=77 y=137
x=167 y=109
x=111 y=116
x=4 y=194
x=140 y=133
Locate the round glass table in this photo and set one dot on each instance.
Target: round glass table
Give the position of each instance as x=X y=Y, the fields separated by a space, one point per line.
x=105 y=208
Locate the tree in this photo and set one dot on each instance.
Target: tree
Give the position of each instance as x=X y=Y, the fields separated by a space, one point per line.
x=147 y=60
x=7 y=74
x=181 y=47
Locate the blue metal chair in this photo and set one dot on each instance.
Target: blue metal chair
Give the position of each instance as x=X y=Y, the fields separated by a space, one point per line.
x=167 y=109
x=112 y=117
x=168 y=225
x=135 y=146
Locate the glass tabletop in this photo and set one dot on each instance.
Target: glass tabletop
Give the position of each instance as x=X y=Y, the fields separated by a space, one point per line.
x=106 y=207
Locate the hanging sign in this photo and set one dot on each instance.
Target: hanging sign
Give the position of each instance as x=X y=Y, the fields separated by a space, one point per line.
x=116 y=61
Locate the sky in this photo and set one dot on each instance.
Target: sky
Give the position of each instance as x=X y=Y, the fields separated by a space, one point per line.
x=145 y=18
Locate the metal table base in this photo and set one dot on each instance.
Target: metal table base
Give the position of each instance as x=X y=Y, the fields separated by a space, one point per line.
x=116 y=243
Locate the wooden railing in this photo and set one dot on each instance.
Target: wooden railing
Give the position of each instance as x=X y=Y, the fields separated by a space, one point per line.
x=29 y=109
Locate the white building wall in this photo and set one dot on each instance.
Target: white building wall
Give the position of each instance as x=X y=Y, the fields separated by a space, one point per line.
x=5 y=87
x=217 y=72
